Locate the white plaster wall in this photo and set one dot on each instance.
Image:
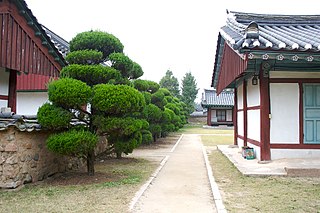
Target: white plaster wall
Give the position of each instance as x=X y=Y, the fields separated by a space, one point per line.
x=240 y=143
x=29 y=102
x=294 y=153
x=3 y=103
x=229 y=115
x=240 y=96
x=276 y=74
x=254 y=124
x=4 y=82
x=284 y=123
x=253 y=94
x=240 y=123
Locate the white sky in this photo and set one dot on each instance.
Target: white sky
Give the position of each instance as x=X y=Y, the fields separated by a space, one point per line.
x=179 y=35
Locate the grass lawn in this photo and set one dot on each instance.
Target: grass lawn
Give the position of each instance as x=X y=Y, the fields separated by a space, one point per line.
x=260 y=194
x=123 y=178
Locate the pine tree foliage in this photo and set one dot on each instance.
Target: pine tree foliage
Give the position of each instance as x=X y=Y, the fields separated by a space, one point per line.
x=171 y=83
x=189 y=91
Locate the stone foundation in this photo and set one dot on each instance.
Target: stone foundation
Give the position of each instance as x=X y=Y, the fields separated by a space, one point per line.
x=24 y=158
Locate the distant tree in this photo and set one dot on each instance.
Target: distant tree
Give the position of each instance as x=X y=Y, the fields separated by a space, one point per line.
x=189 y=91
x=92 y=94
x=171 y=83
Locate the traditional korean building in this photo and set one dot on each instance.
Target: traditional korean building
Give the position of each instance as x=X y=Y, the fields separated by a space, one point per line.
x=273 y=64
x=219 y=107
x=30 y=55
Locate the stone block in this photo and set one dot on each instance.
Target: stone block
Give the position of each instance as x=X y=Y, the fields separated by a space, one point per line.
x=25 y=168
x=11 y=184
x=27 y=179
x=27 y=145
x=36 y=157
x=33 y=164
x=11 y=137
x=10 y=171
x=2 y=160
x=11 y=147
x=12 y=160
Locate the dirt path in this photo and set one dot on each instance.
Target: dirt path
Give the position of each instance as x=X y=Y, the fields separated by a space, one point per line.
x=182 y=184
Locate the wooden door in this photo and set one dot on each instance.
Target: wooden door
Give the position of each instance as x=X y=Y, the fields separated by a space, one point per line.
x=311 y=112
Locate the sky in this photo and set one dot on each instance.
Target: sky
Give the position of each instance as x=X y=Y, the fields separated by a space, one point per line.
x=179 y=35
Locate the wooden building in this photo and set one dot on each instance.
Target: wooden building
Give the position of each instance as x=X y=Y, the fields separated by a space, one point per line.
x=219 y=107
x=273 y=64
x=30 y=55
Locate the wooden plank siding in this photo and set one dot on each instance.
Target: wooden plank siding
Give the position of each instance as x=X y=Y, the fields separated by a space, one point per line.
x=33 y=82
x=232 y=66
x=20 y=52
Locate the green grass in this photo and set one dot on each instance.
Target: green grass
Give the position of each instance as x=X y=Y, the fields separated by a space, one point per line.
x=188 y=129
x=260 y=194
x=127 y=176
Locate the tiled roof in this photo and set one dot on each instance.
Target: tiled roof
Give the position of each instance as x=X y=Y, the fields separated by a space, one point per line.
x=50 y=39
x=274 y=32
x=224 y=99
x=61 y=44
x=24 y=123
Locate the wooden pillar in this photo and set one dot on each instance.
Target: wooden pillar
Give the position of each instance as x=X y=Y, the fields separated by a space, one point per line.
x=245 y=114
x=12 y=99
x=235 y=118
x=209 y=116
x=264 y=113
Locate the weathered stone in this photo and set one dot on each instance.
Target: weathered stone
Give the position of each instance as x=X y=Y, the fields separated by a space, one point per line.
x=22 y=158
x=27 y=179
x=1 y=148
x=12 y=160
x=10 y=171
x=28 y=158
x=11 y=147
x=11 y=137
x=25 y=168
x=70 y=166
x=1 y=169
x=2 y=160
x=36 y=157
x=27 y=145
x=18 y=177
x=33 y=164
x=10 y=185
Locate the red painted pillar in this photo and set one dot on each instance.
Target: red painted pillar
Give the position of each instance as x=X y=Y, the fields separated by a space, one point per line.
x=264 y=116
x=12 y=99
x=245 y=114
x=209 y=117
x=235 y=117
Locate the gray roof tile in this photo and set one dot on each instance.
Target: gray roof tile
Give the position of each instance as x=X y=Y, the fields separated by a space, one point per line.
x=224 y=99
x=276 y=32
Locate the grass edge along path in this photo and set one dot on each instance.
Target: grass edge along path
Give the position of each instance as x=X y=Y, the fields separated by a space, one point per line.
x=260 y=194
x=126 y=177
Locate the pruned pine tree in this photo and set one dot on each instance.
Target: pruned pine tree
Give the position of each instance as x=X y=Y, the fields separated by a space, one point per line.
x=97 y=96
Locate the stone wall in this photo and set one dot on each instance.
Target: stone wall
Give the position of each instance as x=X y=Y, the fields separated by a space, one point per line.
x=24 y=158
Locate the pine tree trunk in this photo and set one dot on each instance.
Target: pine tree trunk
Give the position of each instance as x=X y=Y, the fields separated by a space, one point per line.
x=90 y=163
x=119 y=155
